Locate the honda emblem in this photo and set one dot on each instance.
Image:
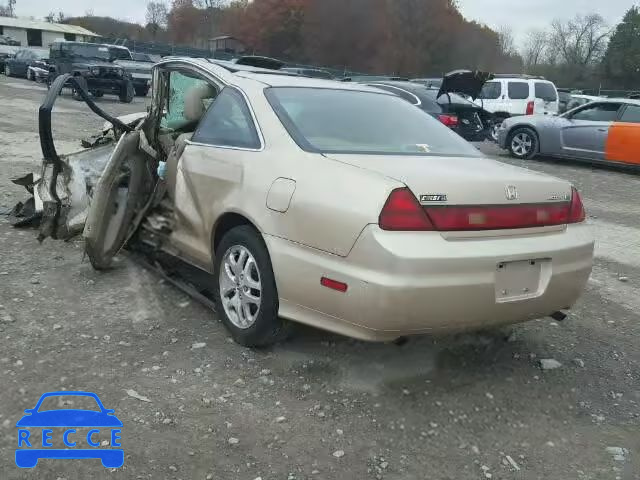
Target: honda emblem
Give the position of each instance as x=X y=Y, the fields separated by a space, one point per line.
x=511 y=192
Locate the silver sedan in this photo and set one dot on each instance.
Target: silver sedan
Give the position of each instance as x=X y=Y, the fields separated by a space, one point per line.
x=603 y=131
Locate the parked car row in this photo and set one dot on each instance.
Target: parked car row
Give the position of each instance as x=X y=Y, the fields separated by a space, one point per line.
x=101 y=68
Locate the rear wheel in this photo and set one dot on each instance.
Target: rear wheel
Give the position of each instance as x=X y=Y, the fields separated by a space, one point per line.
x=127 y=92
x=246 y=291
x=523 y=143
x=7 y=70
x=30 y=75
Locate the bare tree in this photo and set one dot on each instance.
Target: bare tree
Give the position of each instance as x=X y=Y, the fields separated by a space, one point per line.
x=209 y=3
x=535 y=47
x=54 y=17
x=157 y=13
x=506 y=43
x=581 y=41
x=8 y=10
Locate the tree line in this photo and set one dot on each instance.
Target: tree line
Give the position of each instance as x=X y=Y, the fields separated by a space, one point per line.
x=402 y=37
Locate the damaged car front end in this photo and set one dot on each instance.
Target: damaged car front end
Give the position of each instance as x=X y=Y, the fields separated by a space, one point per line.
x=115 y=177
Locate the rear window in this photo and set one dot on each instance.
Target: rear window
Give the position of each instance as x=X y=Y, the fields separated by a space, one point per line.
x=491 y=91
x=631 y=114
x=546 y=92
x=350 y=121
x=518 y=90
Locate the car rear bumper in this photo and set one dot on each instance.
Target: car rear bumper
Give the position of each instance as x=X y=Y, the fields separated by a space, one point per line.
x=411 y=283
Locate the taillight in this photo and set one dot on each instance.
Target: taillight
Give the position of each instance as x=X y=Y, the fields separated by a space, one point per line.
x=403 y=212
x=577 y=213
x=530 y=108
x=449 y=120
x=498 y=217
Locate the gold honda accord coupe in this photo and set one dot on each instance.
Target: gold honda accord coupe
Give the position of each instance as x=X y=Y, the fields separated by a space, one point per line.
x=331 y=204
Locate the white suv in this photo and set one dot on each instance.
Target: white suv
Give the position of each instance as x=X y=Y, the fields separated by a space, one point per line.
x=512 y=95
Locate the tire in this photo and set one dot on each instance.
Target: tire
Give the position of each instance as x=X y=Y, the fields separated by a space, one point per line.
x=127 y=92
x=7 y=70
x=30 y=76
x=97 y=93
x=264 y=327
x=142 y=91
x=83 y=84
x=523 y=143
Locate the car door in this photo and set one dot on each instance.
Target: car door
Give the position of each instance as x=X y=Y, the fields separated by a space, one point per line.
x=493 y=97
x=546 y=98
x=518 y=93
x=210 y=170
x=584 y=134
x=623 y=141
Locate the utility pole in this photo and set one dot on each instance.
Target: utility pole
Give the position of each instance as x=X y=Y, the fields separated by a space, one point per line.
x=11 y=5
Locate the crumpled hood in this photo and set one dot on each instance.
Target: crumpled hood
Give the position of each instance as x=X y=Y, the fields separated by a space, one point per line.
x=466 y=82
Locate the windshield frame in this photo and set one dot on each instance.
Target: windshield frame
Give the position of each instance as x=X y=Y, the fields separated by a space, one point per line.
x=67 y=50
x=300 y=139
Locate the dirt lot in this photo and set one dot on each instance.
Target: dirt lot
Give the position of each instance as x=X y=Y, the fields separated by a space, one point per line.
x=318 y=406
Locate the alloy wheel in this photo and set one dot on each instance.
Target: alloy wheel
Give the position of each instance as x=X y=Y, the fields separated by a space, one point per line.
x=521 y=144
x=240 y=286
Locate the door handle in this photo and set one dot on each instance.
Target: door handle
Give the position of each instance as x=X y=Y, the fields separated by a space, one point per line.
x=603 y=129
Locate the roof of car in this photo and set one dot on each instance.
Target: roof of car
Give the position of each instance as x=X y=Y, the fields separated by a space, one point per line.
x=630 y=101
x=274 y=79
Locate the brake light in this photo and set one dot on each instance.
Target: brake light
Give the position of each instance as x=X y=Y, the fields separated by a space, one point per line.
x=577 y=213
x=530 y=108
x=403 y=212
x=449 y=120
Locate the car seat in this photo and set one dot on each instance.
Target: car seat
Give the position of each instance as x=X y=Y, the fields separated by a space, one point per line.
x=194 y=110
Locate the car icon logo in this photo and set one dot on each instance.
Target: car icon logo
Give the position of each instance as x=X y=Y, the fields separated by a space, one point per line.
x=36 y=432
x=511 y=192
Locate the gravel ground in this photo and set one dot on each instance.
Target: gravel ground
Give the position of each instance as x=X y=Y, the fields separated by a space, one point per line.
x=318 y=406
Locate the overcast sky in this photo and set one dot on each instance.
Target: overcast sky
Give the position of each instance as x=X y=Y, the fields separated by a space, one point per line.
x=520 y=15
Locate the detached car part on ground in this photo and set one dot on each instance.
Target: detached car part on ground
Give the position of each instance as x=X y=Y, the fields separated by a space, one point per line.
x=603 y=131
x=331 y=204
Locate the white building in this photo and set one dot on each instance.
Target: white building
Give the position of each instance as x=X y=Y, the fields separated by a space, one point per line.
x=39 y=34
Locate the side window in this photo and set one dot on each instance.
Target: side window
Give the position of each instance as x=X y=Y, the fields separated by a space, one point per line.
x=518 y=90
x=188 y=100
x=546 y=92
x=491 y=91
x=228 y=123
x=19 y=55
x=631 y=114
x=598 y=112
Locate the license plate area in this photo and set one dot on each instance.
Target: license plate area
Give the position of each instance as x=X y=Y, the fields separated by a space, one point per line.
x=520 y=280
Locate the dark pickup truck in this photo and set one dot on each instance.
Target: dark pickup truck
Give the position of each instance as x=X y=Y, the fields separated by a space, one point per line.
x=93 y=66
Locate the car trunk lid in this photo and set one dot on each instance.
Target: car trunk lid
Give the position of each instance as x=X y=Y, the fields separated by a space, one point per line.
x=465 y=82
x=470 y=184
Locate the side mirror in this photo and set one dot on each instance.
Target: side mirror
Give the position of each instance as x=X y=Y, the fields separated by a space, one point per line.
x=109 y=411
x=29 y=410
